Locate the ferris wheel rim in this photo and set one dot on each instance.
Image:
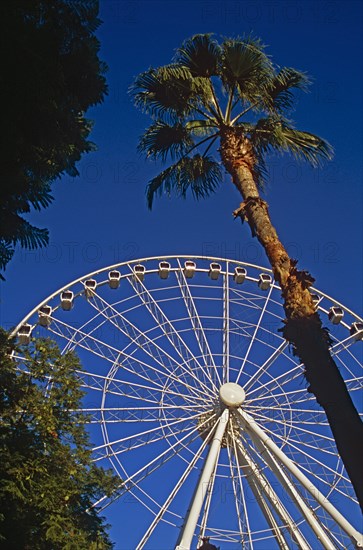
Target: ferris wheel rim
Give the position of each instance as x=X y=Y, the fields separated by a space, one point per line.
x=164 y=258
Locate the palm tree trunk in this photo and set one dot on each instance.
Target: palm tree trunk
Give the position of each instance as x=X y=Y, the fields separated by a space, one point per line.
x=302 y=327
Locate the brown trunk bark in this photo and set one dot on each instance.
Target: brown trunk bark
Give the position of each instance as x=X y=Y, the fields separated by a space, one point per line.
x=303 y=327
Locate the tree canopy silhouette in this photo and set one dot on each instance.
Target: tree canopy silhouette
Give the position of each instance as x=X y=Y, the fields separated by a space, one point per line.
x=51 y=74
x=230 y=95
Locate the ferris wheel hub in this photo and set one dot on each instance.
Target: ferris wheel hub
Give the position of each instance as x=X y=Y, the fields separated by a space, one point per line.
x=232 y=394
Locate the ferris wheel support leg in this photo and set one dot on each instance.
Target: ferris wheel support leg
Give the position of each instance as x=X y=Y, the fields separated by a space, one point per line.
x=286 y=483
x=186 y=536
x=262 y=489
x=207 y=503
x=275 y=452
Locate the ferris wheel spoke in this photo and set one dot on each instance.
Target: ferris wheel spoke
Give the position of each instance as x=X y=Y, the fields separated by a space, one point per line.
x=297 y=369
x=291 y=417
x=138 y=368
x=146 y=437
x=297 y=446
x=197 y=326
x=84 y=340
x=130 y=390
x=282 y=408
x=354 y=361
x=153 y=505
x=71 y=331
x=168 y=329
x=266 y=365
x=250 y=300
x=150 y=467
x=164 y=507
x=226 y=325
x=294 y=427
x=240 y=328
x=353 y=382
x=304 y=436
x=133 y=390
x=141 y=339
x=277 y=391
x=258 y=324
x=134 y=414
x=277 y=381
x=342 y=345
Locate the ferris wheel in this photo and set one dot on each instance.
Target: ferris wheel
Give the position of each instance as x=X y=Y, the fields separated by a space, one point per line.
x=197 y=403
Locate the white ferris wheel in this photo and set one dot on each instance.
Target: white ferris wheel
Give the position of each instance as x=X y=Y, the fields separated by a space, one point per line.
x=197 y=403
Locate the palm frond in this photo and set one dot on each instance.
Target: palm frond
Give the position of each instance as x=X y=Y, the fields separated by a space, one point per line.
x=169 y=91
x=201 y=54
x=201 y=175
x=306 y=146
x=280 y=98
x=276 y=134
x=246 y=67
x=161 y=139
x=201 y=127
x=184 y=100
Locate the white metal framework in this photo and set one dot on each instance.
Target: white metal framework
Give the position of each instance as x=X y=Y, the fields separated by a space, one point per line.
x=197 y=403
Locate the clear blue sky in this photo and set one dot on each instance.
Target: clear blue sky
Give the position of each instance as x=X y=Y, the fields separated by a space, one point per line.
x=101 y=217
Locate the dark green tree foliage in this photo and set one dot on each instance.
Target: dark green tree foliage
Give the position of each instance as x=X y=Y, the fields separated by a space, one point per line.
x=50 y=75
x=48 y=481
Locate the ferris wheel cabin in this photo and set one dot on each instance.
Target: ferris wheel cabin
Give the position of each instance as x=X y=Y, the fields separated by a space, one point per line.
x=139 y=272
x=44 y=314
x=24 y=334
x=189 y=269
x=356 y=330
x=335 y=315
x=239 y=274
x=264 y=281
x=214 y=271
x=89 y=288
x=67 y=297
x=114 y=279
x=164 y=270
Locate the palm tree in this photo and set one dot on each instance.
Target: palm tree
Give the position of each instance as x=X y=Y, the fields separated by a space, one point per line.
x=231 y=95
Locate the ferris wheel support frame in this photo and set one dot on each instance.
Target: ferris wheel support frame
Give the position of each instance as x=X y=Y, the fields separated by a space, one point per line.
x=263 y=490
x=187 y=533
x=286 y=483
x=266 y=443
x=273 y=455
